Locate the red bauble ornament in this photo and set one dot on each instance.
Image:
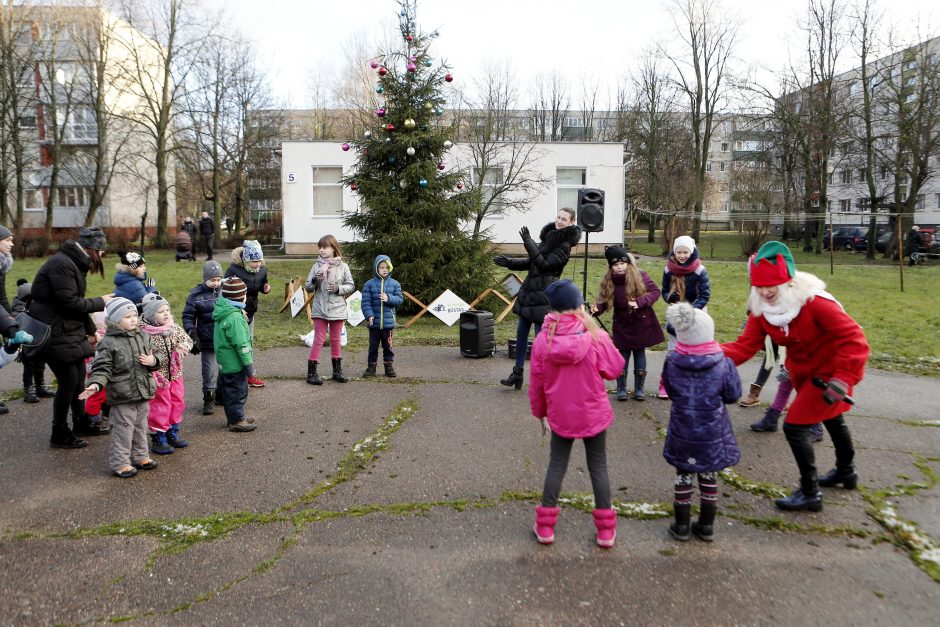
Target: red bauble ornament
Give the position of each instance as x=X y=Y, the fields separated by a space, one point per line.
x=389 y=127
x=354 y=187
x=409 y=38
x=447 y=77
x=459 y=185
x=441 y=165
x=383 y=71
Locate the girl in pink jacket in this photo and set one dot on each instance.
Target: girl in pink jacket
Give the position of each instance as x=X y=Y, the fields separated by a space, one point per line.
x=569 y=358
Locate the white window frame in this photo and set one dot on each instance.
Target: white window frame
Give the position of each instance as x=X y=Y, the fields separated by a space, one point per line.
x=326 y=187
x=497 y=209
x=564 y=188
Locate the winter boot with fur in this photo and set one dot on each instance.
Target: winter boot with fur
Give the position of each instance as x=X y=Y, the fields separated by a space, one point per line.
x=514 y=379
x=390 y=369
x=545 y=518
x=622 y=388
x=662 y=393
x=208 y=402
x=680 y=529
x=312 y=377
x=370 y=371
x=639 y=381
x=174 y=439
x=768 y=422
x=605 y=520
x=753 y=397
x=703 y=528
x=338 y=375
x=159 y=444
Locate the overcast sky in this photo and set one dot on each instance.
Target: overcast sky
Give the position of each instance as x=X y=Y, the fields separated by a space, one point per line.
x=599 y=39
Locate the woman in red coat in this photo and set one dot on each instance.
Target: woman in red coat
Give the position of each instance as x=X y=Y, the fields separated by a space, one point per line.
x=822 y=343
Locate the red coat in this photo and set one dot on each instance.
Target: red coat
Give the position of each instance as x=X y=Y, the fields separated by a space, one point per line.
x=823 y=341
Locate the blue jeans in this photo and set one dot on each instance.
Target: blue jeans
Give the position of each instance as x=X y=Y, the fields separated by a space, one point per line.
x=639 y=359
x=522 y=339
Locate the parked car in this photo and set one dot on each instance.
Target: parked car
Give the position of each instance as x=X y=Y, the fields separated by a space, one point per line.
x=881 y=244
x=847 y=238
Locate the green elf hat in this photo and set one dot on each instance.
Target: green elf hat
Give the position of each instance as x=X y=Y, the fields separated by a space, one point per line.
x=771 y=265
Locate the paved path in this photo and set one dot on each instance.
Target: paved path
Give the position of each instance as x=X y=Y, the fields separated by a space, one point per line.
x=411 y=501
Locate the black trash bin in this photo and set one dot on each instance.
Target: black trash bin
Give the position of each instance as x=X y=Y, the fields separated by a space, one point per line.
x=477 y=334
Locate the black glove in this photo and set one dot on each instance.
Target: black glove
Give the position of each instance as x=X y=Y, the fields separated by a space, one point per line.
x=195 y=350
x=524 y=233
x=673 y=298
x=501 y=260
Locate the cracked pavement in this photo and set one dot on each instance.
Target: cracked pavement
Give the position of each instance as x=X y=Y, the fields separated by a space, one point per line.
x=411 y=501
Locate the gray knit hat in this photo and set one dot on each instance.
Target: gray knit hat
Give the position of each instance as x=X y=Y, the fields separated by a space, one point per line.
x=92 y=237
x=117 y=309
x=5 y=232
x=150 y=304
x=210 y=270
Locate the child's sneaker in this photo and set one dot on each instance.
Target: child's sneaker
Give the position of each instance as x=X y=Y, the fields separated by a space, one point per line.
x=242 y=426
x=255 y=382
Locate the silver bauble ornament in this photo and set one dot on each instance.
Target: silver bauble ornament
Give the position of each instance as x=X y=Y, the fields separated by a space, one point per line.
x=448 y=144
x=410 y=151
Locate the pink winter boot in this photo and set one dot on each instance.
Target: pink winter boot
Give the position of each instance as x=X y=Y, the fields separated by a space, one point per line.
x=545 y=518
x=662 y=393
x=606 y=522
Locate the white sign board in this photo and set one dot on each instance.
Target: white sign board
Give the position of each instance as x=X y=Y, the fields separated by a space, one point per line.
x=354 y=304
x=448 y=307
x=297 y=301
x=291 y=177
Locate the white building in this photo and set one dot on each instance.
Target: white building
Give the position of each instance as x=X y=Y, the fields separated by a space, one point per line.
x=314 y=201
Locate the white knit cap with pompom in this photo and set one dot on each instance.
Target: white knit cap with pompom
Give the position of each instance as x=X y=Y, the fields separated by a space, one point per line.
x=693 y=326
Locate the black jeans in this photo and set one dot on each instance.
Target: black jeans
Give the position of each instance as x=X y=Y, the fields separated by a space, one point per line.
x=207 y=241
x=234 y=389
x=595 y=450
x=70 y=376
x=33 y=373
x=377 y=336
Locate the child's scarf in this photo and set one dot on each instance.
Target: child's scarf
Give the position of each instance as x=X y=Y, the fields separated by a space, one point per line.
x=698 y=349
x=176 y=360
x=677 y=269
x=332 y=266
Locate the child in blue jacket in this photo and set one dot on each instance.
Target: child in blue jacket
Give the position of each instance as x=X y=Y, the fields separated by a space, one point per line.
x=130 y=280
x=380 y=296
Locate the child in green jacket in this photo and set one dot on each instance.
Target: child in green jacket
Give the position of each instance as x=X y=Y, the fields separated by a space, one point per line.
x=232 y=341
x=123 y=364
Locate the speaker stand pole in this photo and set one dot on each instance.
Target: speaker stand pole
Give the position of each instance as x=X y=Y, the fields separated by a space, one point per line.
x=587 y=236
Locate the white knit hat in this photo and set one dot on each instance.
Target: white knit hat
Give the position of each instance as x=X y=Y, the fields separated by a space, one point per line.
x=693 y=326
x=684 y=241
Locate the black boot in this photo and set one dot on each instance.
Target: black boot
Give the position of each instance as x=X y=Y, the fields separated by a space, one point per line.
x=42 y=390
x=338 y=375
x=370 y=371
x=514 y=379
x=835 y=477
x=312 y=377
x=808 y=495
x=82 y=425
x=390 y=369
x=208 y=402
x=844 y=472
x=639 y=381
x=768 y=422
x=703 y=527
x=62 y=437
x=622 y=387
x=29 y=394
x=680 y=529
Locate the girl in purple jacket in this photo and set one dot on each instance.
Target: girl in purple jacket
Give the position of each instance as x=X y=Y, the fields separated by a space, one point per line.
x=700 y=441
x=631 y=293
x=569 y=358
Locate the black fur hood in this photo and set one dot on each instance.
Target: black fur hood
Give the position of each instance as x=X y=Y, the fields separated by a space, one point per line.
x=553 y=237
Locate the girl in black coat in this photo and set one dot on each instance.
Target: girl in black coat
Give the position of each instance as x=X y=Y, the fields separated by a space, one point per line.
x=59 y=301
x=545 y=263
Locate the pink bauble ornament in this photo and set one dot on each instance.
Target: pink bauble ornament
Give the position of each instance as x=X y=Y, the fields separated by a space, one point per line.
x=373 y=64
x=380 y=112
x=447 y=77
x=345 y=147
x=383 y=72
x=411 y=67
x=441 y=165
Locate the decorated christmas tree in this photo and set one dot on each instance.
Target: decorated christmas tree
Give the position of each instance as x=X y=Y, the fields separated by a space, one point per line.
x=413 y=209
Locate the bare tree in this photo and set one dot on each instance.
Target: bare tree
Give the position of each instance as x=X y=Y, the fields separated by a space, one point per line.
x=708 y=36
x=161 y=47
x=503 y=164
x=550 y=103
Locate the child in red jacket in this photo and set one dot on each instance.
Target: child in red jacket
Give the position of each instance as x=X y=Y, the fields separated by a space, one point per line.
x=570 y=360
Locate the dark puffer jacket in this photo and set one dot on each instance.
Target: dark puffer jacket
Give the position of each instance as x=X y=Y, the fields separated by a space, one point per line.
x=545 y=263
x=634 y=328
x=700 y=437
x=59 y=300
x=197 y=315
x=254 y=281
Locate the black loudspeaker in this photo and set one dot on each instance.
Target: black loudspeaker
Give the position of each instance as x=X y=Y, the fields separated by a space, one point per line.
x=477 y=334
x=591 y=209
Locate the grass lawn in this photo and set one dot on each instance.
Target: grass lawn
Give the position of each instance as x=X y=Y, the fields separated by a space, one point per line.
x=901 y=326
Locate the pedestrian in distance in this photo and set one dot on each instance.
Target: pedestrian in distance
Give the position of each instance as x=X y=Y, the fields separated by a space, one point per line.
x=700 y=441
x=826 y=356
x=631 y=293
x=571 y=358
x=380 y=296
x=331 y=282
x=207 y=233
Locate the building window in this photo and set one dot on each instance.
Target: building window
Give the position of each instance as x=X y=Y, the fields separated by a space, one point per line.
x=708 y=166
x=79 y=125
x=844 y=205
x=567 y=183
x=35 y=201
x=861 y=175
x=846 y=176
x=938 y=201
x=489 y=182
x=72 y=197
x=830 y=178
x=721 y=166
x=921 y=202
x=853 y=88
x=861 y=204
x=884 y=173
x=327 y=191
x=724 y=146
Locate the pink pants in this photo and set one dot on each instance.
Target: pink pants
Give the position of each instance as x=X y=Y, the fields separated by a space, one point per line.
x=167 y=407
x=319 y=336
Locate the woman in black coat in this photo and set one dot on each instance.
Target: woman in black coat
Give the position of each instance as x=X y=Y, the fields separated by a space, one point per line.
x=59 y=301
x=545 y=263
